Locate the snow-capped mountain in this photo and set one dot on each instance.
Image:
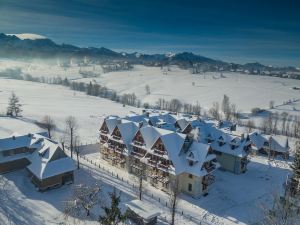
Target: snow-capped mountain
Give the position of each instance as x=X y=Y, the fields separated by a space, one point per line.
x=28 y=36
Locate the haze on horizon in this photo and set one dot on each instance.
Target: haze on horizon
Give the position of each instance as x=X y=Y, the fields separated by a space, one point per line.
x=233 y=31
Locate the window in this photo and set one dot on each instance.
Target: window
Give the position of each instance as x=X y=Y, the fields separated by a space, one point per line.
x=191 y=176
x=190 y=187
x=191 y=163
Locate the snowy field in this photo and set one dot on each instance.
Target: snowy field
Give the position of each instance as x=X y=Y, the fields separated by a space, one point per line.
x=232 y=200
x=245 y=91
x=59 y=102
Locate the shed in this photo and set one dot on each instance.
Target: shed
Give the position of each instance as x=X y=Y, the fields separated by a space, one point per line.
x=142 y=213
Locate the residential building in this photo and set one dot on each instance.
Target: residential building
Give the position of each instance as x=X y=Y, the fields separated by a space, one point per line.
x=270 y=145
x=47 y=164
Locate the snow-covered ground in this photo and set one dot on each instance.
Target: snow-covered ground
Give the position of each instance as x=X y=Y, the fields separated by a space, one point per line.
x=233 y=199
x=59 y=102
x=245 y=91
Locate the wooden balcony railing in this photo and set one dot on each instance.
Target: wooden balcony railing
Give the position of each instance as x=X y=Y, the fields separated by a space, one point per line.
x=158 y=151
x=137 y=154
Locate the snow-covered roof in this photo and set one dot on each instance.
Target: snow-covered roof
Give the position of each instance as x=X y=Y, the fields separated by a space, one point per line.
x=127 y=129
x=223 y=140
x=49 y=161
x=111 y=123
x=276 y=143
x=173 y=143
x=21 y=141
x=143 y=209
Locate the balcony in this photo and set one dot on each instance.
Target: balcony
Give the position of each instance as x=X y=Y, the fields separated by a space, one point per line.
x=116 y=137
x=158 y=151
x=119 y=150
x=137 y=154
x=104 y=131
x=138 y=143
x=208 y=180
x=163 y=179
x=210 y=168
x=163 y=166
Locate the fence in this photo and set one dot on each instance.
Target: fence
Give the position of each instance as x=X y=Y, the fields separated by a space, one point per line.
x=105 y=170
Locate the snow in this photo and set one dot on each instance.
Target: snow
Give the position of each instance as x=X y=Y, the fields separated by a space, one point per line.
x=28 y=36
x=246 y=91
x=43 y=167
x=233 y=199
x=59 y=102
x=143 y=209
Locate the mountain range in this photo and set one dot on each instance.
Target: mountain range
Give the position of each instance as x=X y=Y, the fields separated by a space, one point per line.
x=30 y=46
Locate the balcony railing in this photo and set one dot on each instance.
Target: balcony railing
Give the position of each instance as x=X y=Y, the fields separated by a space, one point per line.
x=158 y=151
x=119 y=150
x=138 y=143
x=163 y=166
x=137 y=154
x=208 y=179
x=210 y=168
x=152 y=162
x=116 y=137
x=163 y=179
x=104 y=131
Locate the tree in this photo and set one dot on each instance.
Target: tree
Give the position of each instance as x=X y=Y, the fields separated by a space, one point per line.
x=14 y=106
x=147 y=88
x=77 y=150
x=286 y=209
x=48 y=123
x=113 y=214
x=226 y=107
x=174 y=192
x=250 y=125
x=71 y=126
x=271 y=104
x=214 y=111
x=83 y=200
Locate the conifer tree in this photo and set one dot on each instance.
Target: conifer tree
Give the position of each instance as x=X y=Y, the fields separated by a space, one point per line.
x=14 y=106
x=113 y=214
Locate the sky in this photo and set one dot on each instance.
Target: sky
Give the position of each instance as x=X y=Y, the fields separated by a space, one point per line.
x=231 y=30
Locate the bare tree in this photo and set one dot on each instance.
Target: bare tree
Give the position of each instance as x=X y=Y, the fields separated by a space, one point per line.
x=77 y=149
x=250 y=125
x=226 y=107
x=214 y=111
x=271 y=104
x=147 y=89
x=174 y=192
x=84 y=199
x=71 y=126
x=48 y=123
x=284 y=117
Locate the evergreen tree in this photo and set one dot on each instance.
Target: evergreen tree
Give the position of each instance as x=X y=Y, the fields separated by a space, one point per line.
x=113 y=215
x=14 y=106
x=296 y=164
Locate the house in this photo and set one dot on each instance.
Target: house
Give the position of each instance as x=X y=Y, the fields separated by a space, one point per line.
x=231 y=149
x=271 y=145
x=161 y=155
x=15 y=150
x=48 y=166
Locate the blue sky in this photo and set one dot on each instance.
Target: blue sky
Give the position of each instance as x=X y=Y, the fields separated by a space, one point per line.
x=236 y=31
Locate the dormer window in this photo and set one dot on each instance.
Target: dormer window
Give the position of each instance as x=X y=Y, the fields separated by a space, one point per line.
x=191 y=163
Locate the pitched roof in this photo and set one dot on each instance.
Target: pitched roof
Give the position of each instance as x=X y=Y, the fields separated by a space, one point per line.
x=44 y=166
